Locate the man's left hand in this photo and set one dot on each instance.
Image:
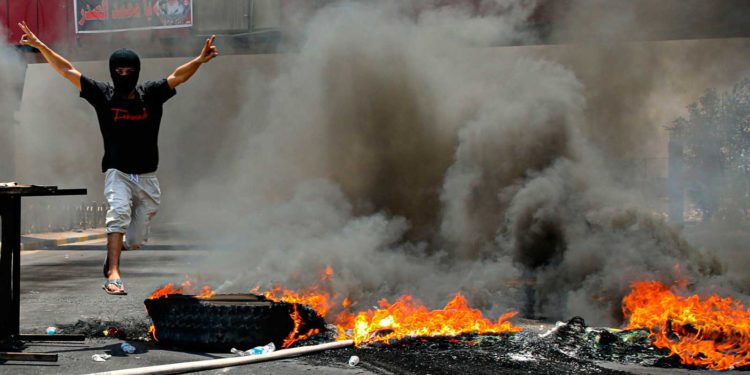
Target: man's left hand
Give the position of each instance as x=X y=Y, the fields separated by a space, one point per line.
x=209 y=51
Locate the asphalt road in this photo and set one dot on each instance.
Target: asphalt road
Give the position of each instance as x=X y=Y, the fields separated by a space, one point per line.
x=61 y=287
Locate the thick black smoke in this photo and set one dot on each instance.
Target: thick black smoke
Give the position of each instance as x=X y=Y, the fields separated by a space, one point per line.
x=394 y=150
x=397 y=146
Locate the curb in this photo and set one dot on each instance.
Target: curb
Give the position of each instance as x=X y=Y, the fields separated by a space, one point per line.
x=32 y=243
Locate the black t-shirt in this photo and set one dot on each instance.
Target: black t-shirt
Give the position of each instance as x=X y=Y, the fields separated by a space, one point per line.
x=130 y=127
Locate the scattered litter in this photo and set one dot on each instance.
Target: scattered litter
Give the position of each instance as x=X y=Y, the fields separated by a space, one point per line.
x=552 y=330
x=265 y=349
x=635 y=336
x=51 y=330
x=127 y=348
x=353 y=361
x=521 y=357
x=114 y=332
x=576 y=340
x=100 y=357
x=66 y=256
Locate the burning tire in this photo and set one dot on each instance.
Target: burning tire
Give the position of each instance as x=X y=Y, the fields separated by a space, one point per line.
x=226 y=321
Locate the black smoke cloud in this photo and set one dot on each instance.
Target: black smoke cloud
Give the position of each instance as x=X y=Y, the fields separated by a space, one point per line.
x=405 y=151
x=394 y=150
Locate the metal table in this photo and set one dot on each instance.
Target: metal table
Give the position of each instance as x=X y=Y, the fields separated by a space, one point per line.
x=10 y=270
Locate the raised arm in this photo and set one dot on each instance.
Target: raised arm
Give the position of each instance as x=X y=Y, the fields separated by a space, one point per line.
x=59 y=63
x=184 y=72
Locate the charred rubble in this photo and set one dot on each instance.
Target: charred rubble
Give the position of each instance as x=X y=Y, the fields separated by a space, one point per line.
x=233 y=320
x=568 y=348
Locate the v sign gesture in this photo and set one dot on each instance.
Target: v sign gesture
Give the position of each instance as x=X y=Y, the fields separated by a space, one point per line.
x=209 y=51
x=28 y=38
x=184 y=72
x=57 y=62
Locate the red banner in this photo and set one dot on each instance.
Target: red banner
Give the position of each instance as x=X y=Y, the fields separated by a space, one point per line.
x=100 y=16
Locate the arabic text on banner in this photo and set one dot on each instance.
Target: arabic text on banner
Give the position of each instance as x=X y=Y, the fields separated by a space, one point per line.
x=97 y=16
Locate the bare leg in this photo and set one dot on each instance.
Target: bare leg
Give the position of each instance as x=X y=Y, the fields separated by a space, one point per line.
x=114 y=248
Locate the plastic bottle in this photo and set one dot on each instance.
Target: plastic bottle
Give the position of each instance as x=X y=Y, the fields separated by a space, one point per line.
x=255 y=351
x=240 y=353
x=262 y=349
x=51 y=330
x=127 y=348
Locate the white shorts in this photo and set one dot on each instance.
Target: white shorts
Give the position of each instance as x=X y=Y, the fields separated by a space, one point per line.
x=133 y=202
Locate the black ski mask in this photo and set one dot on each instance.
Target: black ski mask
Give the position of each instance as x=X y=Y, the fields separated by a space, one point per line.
x=124 y=58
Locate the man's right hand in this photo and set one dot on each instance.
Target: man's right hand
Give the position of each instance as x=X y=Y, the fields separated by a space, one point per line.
x=28 y=38
x=61 y=66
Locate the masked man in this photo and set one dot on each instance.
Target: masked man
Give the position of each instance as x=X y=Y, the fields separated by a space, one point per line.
x=129 y=115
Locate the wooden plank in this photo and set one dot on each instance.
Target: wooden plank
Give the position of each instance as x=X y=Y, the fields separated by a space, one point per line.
x=195 y=366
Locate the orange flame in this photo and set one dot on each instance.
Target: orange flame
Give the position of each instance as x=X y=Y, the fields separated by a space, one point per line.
x=165 y=291
x=206 y=292
x=314 y=296
x=404 y=318
x=713 y=332
x=187 y=287
x=316 y=300
x=295 y=336
x=407 y=318
x=327 y=274
x=152 y=331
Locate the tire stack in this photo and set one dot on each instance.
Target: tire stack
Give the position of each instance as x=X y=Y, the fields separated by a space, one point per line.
x=225 y=321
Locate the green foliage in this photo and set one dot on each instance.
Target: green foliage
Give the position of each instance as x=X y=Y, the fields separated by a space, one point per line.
x=716 y=134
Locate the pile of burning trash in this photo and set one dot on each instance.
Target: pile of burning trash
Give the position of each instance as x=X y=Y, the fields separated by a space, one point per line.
x=663 y=329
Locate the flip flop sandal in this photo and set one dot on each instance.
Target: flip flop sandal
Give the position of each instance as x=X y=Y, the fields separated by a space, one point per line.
x=119 y=288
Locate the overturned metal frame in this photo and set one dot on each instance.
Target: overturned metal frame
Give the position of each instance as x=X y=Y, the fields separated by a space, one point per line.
x=10 y=271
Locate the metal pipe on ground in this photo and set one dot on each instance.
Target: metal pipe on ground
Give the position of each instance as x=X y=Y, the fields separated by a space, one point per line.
x=177 y=368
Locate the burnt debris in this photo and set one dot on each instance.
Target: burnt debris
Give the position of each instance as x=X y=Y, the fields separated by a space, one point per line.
x=568 y=348
x=520 y=353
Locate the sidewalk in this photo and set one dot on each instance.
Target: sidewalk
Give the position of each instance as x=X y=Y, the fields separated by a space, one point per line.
x=43 y=241
x=96 y=239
